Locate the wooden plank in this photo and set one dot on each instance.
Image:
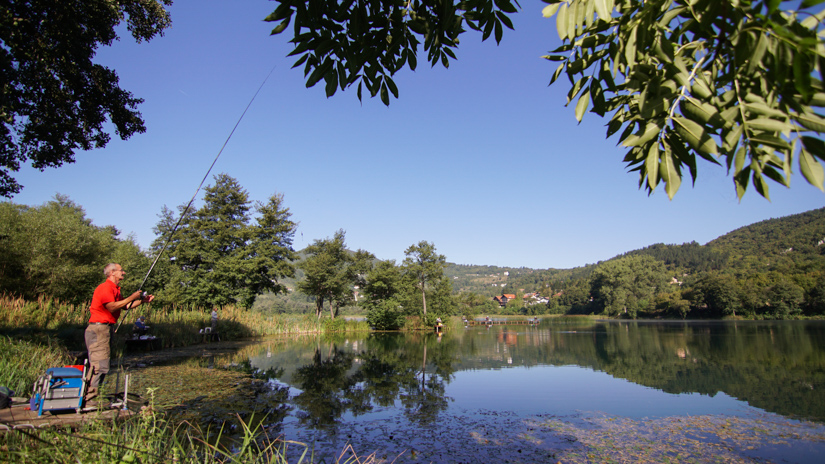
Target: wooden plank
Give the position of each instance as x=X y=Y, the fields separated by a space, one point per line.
x=19 y=416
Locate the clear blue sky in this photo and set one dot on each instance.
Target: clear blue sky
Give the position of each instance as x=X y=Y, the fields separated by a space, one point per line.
x=482 y=159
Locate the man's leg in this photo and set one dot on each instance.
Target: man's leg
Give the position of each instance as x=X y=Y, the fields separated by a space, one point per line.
x=97 y=343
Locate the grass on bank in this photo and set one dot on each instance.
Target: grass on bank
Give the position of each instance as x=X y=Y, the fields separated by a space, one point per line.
x=149 y=437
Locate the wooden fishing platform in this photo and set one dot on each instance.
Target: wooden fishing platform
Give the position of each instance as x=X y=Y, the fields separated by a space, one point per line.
x=19 y=416
x=491 y=322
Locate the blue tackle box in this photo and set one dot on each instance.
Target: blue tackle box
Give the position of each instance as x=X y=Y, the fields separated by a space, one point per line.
x=60 y=388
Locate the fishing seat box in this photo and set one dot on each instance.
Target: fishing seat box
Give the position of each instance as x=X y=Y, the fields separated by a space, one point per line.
x=60 y=388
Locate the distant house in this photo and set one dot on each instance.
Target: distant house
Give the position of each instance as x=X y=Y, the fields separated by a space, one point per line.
x=534 y=298
x=504 y=298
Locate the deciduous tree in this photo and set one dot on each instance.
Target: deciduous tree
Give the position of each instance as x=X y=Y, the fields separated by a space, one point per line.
x=54 y=250
x=54 y=99
x=620 y=286
x=424 y=267
x=330 y=272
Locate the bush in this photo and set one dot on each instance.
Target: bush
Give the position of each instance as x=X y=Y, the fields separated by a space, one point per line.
x=385 y=315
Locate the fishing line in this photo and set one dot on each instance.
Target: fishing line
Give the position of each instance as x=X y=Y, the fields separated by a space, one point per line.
x=189 y=205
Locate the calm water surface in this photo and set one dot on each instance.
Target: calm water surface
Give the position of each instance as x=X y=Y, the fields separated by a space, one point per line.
x=517 y=393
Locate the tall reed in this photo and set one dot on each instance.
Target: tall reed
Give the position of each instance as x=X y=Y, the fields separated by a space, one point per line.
x=22 y=361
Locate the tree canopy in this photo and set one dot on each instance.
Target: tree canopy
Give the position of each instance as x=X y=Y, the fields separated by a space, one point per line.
x=218 y=256
x=331 y=272
x=54 y=100
x=736 y=83
x=53 y=250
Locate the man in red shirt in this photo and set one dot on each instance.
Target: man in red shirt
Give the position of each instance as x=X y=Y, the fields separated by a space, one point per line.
x=107 y=303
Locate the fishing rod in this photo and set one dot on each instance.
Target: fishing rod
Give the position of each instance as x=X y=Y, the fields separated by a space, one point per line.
x=192 y=200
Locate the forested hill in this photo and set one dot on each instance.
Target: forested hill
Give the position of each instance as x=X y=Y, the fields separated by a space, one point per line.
x=798 y=235
x=770 y=244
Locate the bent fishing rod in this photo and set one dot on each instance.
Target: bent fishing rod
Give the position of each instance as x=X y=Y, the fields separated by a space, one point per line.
x=192 y=200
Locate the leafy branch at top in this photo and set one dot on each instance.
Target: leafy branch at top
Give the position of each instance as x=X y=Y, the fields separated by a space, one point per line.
x=733 y=80
x=368 y=41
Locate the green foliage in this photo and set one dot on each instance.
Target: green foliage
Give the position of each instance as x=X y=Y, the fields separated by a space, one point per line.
x=54 y=250
x=368 y=42
x=330 y=273
x=385 y=315
x=22 y=361
x=685 y=257
x=720 y=295
x=217 y=257
x=706 y=79
x=471 y=304
x=423 y=267
x=623 y=286
x=55 y=99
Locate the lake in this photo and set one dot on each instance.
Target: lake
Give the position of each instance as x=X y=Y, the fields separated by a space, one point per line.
x=586 y=391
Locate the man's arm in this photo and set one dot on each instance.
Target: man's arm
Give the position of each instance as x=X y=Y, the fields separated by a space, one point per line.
x=134 y=299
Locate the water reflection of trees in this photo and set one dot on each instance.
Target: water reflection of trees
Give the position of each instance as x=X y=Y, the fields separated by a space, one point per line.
x=776 y=366
x=384 y=371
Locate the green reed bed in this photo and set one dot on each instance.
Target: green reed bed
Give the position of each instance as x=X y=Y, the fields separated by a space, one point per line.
x=180 y=326
x=22 y=361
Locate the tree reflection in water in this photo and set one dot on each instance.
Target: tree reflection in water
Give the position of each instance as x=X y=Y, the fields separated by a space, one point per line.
x=340 y=381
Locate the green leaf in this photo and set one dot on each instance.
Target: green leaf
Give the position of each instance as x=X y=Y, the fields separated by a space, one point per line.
x=811 y=121
x=769 y=140
x=767 y=124
x=739 y=160
x=810 y=3
x=811 y=169
x=741 y=185
x=280 y=27
x=280 y=13
x=762 y=108
x=761 y=185
x=331 y=79
x=802 y=74
x=385 y=95
x=392 y=86
x=506 y=6
x=604 y=8
x=694 y=135
x=549 y=10
x=561 y=22
x=630 y=48
x=572 y=16
x=731 y=137
x=652 y=129
x=582 y=104
x=671 y=175
x=756 y=58
x=652 y=166
x=702 y=113
x=814 y=145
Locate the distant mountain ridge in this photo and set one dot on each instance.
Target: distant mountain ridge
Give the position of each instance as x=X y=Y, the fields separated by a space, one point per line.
x=769 y=244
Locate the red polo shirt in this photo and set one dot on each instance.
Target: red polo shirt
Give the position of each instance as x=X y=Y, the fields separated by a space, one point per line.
x=107 y=292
